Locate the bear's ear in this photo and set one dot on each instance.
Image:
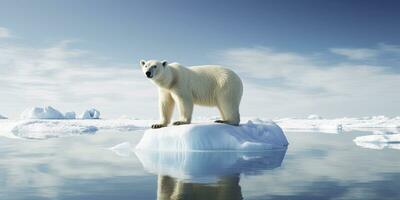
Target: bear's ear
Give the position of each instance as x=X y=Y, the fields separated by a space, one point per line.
x=164 y=63
x=142 y=63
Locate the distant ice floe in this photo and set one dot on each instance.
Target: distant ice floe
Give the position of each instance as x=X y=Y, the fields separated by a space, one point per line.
x=2 y=117
x=379 y=140
x=313 y=116
x=214 y=137
x=49 y=112
x=45 y=129
x=50 y=129
x=317 y=123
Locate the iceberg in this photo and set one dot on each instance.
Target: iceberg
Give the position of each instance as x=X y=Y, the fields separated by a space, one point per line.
x=90 y=114
x=214 y=137
x=47 y=112
x=70 y=115
x=2 y=117
x=209 y=166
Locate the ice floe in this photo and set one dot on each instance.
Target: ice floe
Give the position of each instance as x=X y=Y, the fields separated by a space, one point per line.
x=50 y=129
x=379 y=140
x=2 y=117
x=44 y=129
x=214 y=137
x=124 y=149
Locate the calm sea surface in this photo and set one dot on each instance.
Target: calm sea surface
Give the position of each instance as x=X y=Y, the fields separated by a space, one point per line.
x=314 y=166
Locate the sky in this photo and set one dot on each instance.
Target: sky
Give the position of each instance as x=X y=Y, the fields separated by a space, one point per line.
x=331 y=58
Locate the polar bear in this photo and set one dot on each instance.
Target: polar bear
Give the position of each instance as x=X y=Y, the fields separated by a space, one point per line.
x=208 y=85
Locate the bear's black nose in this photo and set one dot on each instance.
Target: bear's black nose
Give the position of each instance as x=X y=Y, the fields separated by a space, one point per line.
x=148 y=74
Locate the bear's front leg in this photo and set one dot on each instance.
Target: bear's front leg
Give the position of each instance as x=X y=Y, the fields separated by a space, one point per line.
x=166 y=106
x=185 y=107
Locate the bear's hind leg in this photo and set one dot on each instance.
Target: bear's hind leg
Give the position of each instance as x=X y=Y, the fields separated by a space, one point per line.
x=230 y=113
x=222 y=116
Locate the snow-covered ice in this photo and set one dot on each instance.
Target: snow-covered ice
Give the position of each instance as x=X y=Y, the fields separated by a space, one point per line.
x=338 y=124
x=379 y=140
x=90 y=114
x=47 y=112
x=369 y=124
x=50 y=129
x=214 y=137
x=208 y=166
x=314 y=116
x=43 y=129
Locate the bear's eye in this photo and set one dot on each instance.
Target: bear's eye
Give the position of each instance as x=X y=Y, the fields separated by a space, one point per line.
x=155 y=66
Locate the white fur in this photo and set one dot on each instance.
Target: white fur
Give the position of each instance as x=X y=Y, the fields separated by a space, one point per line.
x=208 y=85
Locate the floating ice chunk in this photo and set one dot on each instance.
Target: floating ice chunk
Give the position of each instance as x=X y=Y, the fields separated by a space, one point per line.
x=214 y=137
x=208 y=166
x=70 y=115
x=47 y=112
x=60 y=128
x=313 y=116
x=123 y=149
x=378 y=141
x=90 y=114
x=2 y=117
x=39 y=129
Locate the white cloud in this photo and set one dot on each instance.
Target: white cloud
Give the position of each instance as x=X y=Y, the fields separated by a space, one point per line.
x=290 y=84
x=4 y=32
x=356 y=54
x=71 y=79
x=367 y=53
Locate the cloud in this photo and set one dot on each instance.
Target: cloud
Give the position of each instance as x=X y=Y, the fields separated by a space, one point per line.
x=366 y=53
x=276 y=83
x=356 y=54
x=292 y=84
x=70 y=79
x=4 y=32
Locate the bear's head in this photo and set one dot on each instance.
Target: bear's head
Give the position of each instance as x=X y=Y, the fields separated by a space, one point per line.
x=153 y=69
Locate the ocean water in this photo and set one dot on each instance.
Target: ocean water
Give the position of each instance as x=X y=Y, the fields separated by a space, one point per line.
x=314 y=166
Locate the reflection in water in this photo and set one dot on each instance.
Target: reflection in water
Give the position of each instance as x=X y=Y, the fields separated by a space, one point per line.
x=227 y=188
x=206 y=175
